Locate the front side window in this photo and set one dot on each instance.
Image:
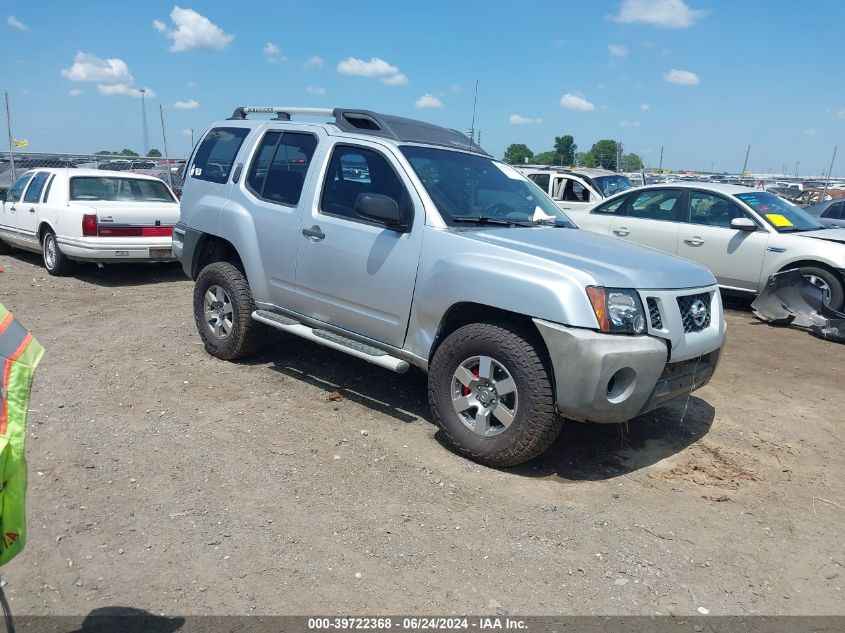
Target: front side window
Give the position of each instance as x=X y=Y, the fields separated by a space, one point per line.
x=609 y=185
x=655 y=204
x=541 y=180
x=130 y=189
x=15 y=193
x=216 y=154
x=835 y=211
x=784 y=216
x=280 y=165
x=611 y=208
x=709 y=209
x=467 y=186
x=570 y=190
x=356 y=170
x=36 y=186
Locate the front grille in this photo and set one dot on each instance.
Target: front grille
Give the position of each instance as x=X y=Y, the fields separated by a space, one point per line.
x=654 y=314
x=695 y=312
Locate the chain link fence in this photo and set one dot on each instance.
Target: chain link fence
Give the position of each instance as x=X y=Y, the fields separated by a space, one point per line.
x=14 y=164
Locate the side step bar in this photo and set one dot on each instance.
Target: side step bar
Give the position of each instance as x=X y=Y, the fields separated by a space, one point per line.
x=368 y=353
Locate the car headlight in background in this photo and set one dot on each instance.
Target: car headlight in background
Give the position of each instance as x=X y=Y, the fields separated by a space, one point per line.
x=618 y=310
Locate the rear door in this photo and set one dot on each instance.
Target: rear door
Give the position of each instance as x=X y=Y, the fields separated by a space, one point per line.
x=650 y=218
x=10 y=209
x=352 y=273
x=734 y=257
x=28 y=209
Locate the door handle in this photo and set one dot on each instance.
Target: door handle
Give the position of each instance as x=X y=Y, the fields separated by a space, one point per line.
x=622 y=231
x=12 y=209
x=314 y=233
x=694 y=241
x=32 y=210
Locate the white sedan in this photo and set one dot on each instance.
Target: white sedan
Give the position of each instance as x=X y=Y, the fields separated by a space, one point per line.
x=742 y=235
x=89 y=215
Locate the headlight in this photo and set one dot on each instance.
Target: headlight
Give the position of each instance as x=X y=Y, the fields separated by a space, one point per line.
x=618 y=311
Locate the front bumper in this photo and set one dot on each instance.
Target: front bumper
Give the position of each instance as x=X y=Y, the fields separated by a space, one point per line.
x=611 y=378
x=110 y=249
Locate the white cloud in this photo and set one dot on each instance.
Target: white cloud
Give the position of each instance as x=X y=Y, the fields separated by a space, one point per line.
x=191 y=104
x=516 y=119
x=124 y=90
x=456 y=88
x=840 y=113
x=314 y=90
x=810 y=132
x=193 y=31
x=192 y=84
x=669 y=14
x=16 y=24
x=314 y=62
x=375 y=68
x=618 y=50
x=75 y=92
x=89 y=67
x=576 y=102
x=629 y=124
x=273 y=53
x=187 y=131
x=682 y=77
x=644 y=107
x=428 y=100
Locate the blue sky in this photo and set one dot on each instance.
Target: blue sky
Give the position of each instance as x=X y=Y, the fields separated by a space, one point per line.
x=703 y=78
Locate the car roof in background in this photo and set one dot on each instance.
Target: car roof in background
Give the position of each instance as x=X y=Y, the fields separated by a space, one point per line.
x=72 y=171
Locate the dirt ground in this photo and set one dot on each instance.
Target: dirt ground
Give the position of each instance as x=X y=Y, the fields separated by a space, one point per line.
x=309 y=482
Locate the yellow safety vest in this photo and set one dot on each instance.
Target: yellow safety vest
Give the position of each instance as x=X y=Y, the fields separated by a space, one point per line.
x=19 y=355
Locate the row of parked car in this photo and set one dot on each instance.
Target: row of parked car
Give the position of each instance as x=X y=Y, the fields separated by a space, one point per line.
x=405 y=244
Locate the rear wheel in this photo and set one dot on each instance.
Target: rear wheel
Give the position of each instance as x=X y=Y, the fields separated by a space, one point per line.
x=223 y=308
x=5 y=249
x=828 y=283
x=491 y=394
x=55 y=261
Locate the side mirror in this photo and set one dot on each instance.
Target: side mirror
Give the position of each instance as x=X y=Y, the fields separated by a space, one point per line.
x=743 y=224
x=382 y=209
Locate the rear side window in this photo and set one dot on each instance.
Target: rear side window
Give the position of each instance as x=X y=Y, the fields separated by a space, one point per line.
x=36 y=186
x=280 y=165
x=16 y=191
x=216 y=154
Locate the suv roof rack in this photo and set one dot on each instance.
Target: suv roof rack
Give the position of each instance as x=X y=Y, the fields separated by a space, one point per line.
x=369 y=122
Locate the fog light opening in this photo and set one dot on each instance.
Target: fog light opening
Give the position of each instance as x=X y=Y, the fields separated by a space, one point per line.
x=621 y=384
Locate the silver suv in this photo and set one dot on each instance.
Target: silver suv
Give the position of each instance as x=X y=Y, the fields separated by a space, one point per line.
x=402 y=243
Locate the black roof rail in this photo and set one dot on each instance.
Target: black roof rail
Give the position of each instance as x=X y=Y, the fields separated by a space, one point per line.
x=369 y=122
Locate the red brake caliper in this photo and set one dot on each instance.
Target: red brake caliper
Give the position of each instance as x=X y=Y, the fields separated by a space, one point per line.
x=465 y=391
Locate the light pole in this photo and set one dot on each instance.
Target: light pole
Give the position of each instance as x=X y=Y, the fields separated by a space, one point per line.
x=144 y=120
x=192 y=138
x=797 y=162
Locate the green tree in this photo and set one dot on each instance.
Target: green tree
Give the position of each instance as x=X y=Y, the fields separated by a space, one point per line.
x=516 y=153
x=632 y=162
x=603 y=154
x=547 y=158
x=104 y=152
x=565 y=148
x=128 y=152
x=583 y=159
x=154 y=153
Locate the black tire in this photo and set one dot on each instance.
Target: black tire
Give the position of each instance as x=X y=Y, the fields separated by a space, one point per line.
x=54 y=259
x=837 y=293
x=245 y=336
x=535 y=424
x=5 y=248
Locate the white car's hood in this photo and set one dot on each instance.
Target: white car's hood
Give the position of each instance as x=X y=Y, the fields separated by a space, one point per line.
x=831 y=235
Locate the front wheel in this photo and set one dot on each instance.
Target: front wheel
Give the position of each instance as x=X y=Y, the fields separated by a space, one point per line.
x=491 y=394
x=55 y=260
x=828 y=283
x=223 y=307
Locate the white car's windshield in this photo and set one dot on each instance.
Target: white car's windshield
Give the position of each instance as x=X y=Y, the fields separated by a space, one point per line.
x=784 y=216
x=470 y=187
x=610 y=185
x=106 y=188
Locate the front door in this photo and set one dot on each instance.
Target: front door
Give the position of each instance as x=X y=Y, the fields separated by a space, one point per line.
x=28 y=209
x=649 y=218
x=10 y=209
x=352 y=273
x=734 y=257
x=573 y=194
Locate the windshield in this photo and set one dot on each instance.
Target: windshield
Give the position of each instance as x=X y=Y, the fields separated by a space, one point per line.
x=784 y=216
x=610 y=185
x=467 y=186
x=105 y=188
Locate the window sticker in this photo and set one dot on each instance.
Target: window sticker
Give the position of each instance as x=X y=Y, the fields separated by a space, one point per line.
x=778 y=220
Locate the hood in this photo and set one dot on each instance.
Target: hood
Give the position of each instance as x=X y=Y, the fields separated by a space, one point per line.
x=830 y=235
x=612 y=262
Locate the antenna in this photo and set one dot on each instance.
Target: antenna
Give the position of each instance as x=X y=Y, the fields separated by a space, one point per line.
x=472 y=126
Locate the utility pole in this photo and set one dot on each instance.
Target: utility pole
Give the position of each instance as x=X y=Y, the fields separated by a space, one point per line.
x=660 y=166
x=192 y=139
x=797 y=162
x=472 y=125
x=143 y=92
x=9 y=127
x=745 y=164
x=829 y=171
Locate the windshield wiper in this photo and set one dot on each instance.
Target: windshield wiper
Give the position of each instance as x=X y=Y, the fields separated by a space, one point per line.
x=485 y=219
x=551 y=222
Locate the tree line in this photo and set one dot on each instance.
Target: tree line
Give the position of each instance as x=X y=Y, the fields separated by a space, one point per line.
x=605 y=153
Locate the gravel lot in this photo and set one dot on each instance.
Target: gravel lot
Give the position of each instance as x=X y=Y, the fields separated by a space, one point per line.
x=307 y=482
